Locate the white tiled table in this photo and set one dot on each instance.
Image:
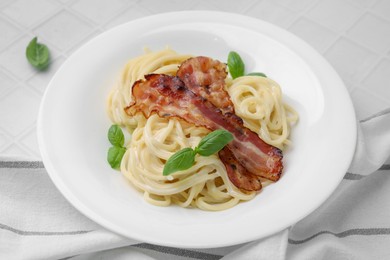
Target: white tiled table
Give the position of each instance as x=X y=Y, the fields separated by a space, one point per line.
x=354 y=36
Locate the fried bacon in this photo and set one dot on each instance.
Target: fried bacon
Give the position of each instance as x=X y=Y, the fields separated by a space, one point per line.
x=169 y=97
x=237 y=173
x=206 y=78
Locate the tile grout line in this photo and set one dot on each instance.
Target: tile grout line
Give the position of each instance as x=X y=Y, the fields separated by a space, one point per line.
x=65 y=52
x=29 y=28
x=125 y=9
x=28 y=153
x=28 y=130
x=376 y=61
x=302 y=13
x=340 y=35
x=101 y=26
x=345 y=33
x=370 y=11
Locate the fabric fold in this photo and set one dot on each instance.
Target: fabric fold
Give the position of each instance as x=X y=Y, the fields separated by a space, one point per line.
x=373 y=144
x=272 y=247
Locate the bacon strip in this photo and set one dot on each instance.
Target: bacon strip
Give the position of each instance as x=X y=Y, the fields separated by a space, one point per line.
x=168 y=97
x=237 y=173
x=206 y=78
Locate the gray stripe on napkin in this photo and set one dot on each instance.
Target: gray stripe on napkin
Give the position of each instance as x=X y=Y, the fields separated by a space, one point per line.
x=355 y=177
x=385 y=167
x=42 y=233
x=22 y=164
x=69 y=257
x=350 y=232
x=179 y=251
x=381 y=113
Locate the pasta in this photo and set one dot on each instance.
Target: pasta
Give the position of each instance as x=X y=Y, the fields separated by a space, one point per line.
x=257 y=100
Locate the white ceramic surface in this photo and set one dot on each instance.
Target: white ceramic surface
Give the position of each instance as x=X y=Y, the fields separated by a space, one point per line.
x=73 y=123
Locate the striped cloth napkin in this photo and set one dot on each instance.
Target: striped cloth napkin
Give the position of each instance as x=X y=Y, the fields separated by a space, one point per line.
x=36 y=222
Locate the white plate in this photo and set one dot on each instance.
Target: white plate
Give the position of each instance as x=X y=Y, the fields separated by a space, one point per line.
x=73 y=123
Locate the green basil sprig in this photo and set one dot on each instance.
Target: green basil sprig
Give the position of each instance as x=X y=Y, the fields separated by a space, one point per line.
x=115 y=136
x=180 y=161
x=185 y=158
x=237 y=67
x=115 y=155
x=116 y=151
x=37 y=54
x=213 y=142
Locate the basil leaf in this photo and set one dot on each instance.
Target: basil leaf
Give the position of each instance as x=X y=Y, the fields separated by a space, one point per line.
x=213 y=142
x=179 y=161
x=115 y=155
x=37 y=54
x=115 y=136
x=257 y=74
x=235 y=64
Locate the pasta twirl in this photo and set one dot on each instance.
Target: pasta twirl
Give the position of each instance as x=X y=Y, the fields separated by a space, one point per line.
x=258 y=101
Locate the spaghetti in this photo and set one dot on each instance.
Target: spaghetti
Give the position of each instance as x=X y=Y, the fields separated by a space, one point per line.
x=257 y=100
